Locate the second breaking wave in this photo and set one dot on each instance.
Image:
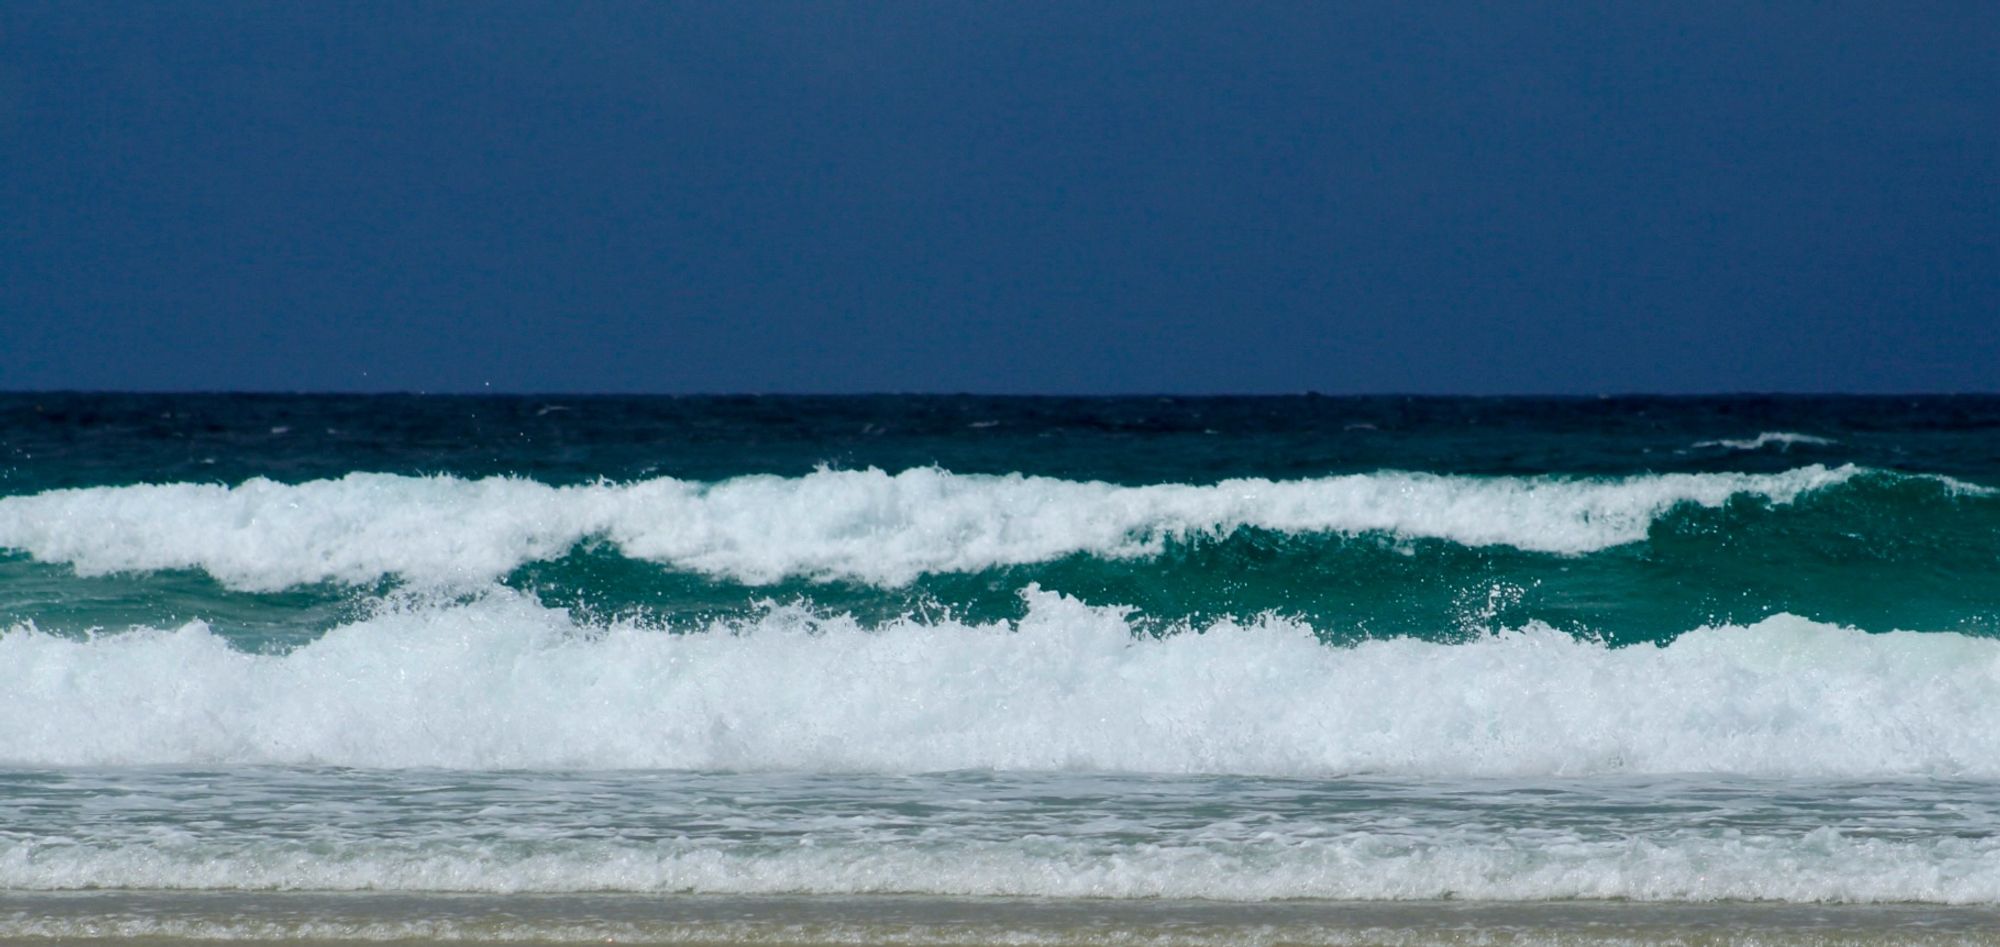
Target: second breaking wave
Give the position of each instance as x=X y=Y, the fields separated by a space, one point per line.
x=501 y=681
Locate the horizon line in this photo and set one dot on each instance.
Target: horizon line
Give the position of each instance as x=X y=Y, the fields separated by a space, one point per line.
x=1305 y=393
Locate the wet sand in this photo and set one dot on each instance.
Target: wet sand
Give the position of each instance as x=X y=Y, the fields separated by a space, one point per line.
x=131 y=918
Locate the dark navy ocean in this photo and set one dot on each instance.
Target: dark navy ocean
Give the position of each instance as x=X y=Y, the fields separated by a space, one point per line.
x=930 y=669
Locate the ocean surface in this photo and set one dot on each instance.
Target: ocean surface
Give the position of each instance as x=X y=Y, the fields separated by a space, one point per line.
x=1097 y=656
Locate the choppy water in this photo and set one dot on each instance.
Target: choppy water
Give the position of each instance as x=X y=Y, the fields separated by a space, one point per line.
x=1690 y=650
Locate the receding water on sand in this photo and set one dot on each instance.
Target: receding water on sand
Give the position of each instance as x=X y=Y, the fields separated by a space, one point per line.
x=127 y=917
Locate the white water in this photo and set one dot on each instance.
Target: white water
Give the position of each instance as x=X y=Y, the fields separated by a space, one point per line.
x=1044 y=835
x=1783 y=439
x=502 y=682
x=1426 y=864
x=867 y=526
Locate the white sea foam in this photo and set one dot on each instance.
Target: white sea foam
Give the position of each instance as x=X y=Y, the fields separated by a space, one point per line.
x=502 y=682
x=867 y=526
x=1421 y=863
x=1783 y=439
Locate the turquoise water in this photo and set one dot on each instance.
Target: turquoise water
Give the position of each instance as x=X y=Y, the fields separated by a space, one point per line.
x=1359 y=649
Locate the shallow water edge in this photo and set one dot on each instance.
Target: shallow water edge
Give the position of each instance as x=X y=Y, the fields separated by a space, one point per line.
x=134 y=917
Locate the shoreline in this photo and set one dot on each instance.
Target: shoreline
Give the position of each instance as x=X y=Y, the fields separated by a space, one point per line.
x=165 y=917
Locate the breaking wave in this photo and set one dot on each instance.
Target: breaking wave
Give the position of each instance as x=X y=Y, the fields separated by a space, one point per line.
x=1783 y=440
x=501 y=681
x=867 y=526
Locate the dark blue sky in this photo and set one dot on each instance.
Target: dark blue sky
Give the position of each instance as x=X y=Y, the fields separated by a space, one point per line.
x=1000 y=197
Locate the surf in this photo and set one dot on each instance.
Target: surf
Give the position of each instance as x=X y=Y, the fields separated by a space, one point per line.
x=865 y=526
x=501 y=681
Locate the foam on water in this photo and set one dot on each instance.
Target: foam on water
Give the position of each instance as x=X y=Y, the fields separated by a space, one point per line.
x=502 y=682
x=1784 y=440
x=1465 y=863
x=867 y=525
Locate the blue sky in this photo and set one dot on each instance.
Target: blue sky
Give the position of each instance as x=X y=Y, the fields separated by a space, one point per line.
x=1000 y=197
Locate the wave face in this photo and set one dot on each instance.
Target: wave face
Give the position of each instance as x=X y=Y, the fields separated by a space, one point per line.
x=503 y=683
x=1628 y=559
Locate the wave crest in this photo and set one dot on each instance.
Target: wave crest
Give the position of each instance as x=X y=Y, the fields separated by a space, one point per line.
x=866 y=526
x=1784 y=440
